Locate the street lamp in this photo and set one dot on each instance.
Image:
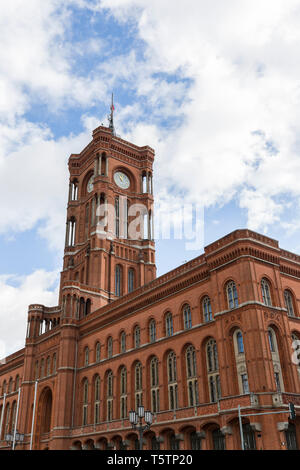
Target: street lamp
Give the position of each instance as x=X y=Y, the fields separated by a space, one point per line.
x=14 y=439
x=136 y=420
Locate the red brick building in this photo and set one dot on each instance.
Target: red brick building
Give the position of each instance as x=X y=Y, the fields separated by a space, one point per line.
x=192 y=345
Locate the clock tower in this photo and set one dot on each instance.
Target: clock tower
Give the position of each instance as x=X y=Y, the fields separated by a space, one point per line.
x=109 y=247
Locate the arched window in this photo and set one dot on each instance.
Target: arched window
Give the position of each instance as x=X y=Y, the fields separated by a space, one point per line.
x=232 y=295
x=276 y=360
x=109 y=396
x=218 y=439
x=85 y=402
x=4 y=387
x=130 y=280
x=137 y=337
x=240 y=361
x=213 y=370
x=10 y=385
x=138 y=385
x=97 y=400
x=271 y=340
x=152 y=331
x=169 y=324
x=86 y=356
x=291 y=437
x=195 y=441
x=296 y=353
x=187 y=317
x=266 y=292
x=109 y=347
x=123 y=393
x=118 y=280
x=207 y=311
x=98 y=352
x=288 y=298
x=240 y=343
x=17 y=383
x=13 y=417
x=154 y=385
x=71 y=232
x=249 y=437
x=191 y=376
x=123 y=342
x=172 y=381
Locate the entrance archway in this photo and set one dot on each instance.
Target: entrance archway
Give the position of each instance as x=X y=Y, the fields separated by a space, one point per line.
x=43 y=418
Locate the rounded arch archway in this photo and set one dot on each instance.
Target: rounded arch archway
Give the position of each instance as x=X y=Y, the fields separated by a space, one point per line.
x=44 y=415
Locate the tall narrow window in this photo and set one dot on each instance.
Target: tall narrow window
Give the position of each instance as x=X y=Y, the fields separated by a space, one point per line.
x=218 y=440
x=240 y=361
x=213 y=370
x=123 y=393
x=93 y=211
x=195 y=441
x=249 y=437
x=125 y=217
x=109 y=396
x=87 y=209
x=86 y=356
x=291 y=437
x=152 y=331
x=117 y=217
x=265 y=290
x=109 y=347
x=118 y=281
x=154 y=385
x=13 y=417
x=169 y=324
x=137 y=337
x=207 y=311
x=288 y=298
x=172 y=381
x=232 y=295
x=191 y=375
x=130 y=280
x=98 y=352
x=97 y=401
x=276 y=360
x=187 y=317
x=123 y=342
x=85 y=402
x=138 y=385
x=240 y=343
x=71 y=232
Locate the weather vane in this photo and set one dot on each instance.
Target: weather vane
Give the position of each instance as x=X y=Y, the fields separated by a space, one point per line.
x=111 y=115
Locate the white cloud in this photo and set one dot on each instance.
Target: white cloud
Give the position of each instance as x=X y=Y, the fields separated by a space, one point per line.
x=16 y=294
x=241 y=60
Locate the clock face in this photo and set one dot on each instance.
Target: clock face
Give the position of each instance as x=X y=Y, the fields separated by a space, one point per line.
x=121 y=180
x=90 y=184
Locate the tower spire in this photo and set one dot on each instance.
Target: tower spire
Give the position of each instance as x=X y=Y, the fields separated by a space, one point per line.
x=111 y=116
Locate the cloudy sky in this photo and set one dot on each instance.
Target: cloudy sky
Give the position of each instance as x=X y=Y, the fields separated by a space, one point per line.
x=213 y=86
